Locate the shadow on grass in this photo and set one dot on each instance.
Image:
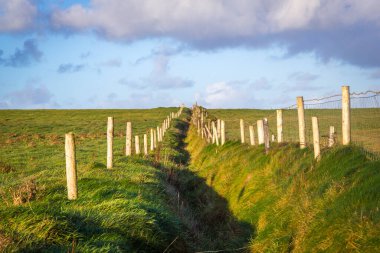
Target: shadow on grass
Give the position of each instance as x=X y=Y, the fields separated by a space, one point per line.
x=209 y=223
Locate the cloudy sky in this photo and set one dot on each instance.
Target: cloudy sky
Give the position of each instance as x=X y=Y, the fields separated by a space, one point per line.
x=149 y=53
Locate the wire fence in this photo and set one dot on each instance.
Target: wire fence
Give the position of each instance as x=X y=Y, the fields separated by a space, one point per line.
x=365 y=121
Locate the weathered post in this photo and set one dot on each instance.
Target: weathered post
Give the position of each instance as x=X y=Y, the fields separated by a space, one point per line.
x=145 y=144
x=71 y=169
x=151 y=140
x=301 y=122
x=260 y=131
x=279 y=126
x=317 y=149
x=242 y=130
x=137 y=144
x=128 y=139
x=109 y=143
x=266 y=135
x=331 y=136
x=252 y=135
x=346 y=118
x=213 y=130
x=222 y=132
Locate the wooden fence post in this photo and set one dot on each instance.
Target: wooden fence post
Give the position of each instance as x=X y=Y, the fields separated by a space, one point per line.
x=279 y=126
x=128 y=140
x=137 y=144
x=260 y=131
x=346 y=118
x=222 y=132
x=109 y=143
x=301 y=122
x=151 y=140
x=317 y=149
x=71 y=169
x=155 y=138
x=158 y=134
x=145 y=144
x=252 y=135
x=266 y=135
x=331 y=136
x=242 y=131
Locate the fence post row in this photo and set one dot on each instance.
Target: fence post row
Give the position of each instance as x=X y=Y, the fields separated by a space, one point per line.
x=109 y=142
x=71 y=169
x=346 y=118
x=301 y=122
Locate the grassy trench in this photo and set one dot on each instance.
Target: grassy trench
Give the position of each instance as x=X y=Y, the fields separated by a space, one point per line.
x=294 y=203
x=208 y=223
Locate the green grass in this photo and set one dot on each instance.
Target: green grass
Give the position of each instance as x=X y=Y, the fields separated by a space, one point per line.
x=365 y=124
x=293 y=202
x=124 y=209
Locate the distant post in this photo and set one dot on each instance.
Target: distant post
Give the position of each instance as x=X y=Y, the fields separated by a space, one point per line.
x=222 y=132
x=279 y=126
x=109 y=143
x=155 y=138
x=145 y=144
x=252 y=135
x=218 y=122
x=137 y=145
x=266 y=135
x=331 y=136
x=317 y=149
x=151 y=140
x=346 y=117
x=71 y=169
x=260 y=131
x=242 y=130
x=128 y=141
x=301 y=122
x=215 y=133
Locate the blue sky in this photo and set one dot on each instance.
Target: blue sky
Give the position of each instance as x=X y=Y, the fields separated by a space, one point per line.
x=147 y=53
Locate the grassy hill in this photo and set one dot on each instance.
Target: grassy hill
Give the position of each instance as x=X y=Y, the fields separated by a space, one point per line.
x=293 y=202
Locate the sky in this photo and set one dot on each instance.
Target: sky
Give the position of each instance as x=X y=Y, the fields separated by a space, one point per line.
x=69 y=54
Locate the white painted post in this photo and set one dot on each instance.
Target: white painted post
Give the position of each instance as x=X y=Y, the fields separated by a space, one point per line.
x=346 y=117
x=301 y=122
x=222 y=132
x=145 y=144
x=331 y=136
x=71 y=169
x=137 y=144
x=128 y=140
x=151 y=140
x=242 y=130
x=109 y=142
x=252 y=135
x=260 y=131
x=266 y=135
x=317 y=149
x=279 y=126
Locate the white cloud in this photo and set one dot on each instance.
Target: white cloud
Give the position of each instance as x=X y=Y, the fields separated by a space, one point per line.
x=16 y=15
x=320 y=26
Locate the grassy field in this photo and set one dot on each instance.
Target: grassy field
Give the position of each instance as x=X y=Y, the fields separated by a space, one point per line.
x=365 y=124
x=293 y=203
x=124 y=209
